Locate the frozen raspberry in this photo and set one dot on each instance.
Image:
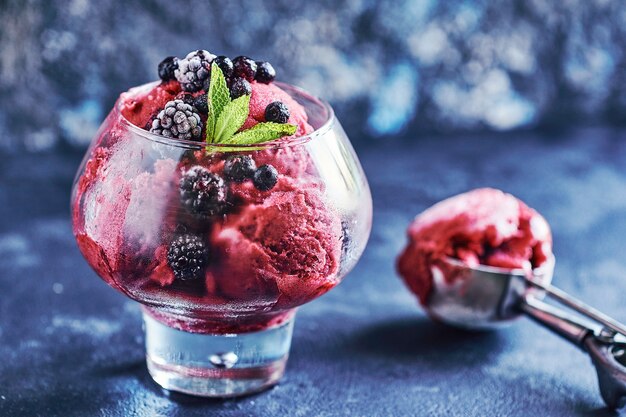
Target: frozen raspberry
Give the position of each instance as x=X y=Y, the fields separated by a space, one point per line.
x=194 y=70
x=187 y=256
x=178 y=120
x=203 y=193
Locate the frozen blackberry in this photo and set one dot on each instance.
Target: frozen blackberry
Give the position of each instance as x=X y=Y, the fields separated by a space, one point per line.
x=225 y=64
x=188 y=255
x=265 y=177
x=201 y=103
x=178 y=120
x=244 y=67
x=203 y=193
x=277 y=112
x=194 y=70
x=239 y=168
x=240 y=87
x=167 y=68
x=265 y=72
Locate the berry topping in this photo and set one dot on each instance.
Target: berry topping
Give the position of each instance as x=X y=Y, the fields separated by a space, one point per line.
x=202 y=193
x=239 y=168
x=187 y=256
x=225 y=64
x=244 y=67
x=178 y=120
x=240 y=87
x=265 y=72
x=187 y=98
x=201 y=103
x=167 y=68
x=265 y=177
x=194 y=70
x=277 y=112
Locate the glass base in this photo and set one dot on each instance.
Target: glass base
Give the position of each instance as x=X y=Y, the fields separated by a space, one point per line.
x=215 y=365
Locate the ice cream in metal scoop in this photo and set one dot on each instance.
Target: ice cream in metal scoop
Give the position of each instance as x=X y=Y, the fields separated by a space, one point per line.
x=487 y=296
x=484 y=258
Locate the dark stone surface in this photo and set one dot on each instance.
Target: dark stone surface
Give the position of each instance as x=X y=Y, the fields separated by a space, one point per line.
x=71 y=346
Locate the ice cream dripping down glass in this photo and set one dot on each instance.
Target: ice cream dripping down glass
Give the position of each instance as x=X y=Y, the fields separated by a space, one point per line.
x=483 y=297
x=227 y=331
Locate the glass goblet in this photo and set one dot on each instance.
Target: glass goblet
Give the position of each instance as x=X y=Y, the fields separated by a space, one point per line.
x=219 y=282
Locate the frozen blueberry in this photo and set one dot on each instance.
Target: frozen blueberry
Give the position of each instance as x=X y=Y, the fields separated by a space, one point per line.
x=244 y=67
x=265 y=177
x=167 y=68
x=240 y=87
x=265 y=72
x=225 y=64
x=277 y=112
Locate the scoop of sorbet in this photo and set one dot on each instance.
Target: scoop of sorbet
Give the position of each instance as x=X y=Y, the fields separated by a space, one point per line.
x=141 y=105
x=481 y=227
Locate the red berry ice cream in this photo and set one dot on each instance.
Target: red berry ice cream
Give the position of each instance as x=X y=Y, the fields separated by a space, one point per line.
x=480 y=227
x=231 y=238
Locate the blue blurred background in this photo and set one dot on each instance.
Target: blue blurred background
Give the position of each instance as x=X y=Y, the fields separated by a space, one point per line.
x=392 y=69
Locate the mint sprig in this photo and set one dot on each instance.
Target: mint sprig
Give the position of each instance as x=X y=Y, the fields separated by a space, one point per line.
x=227 y=116
x=218 y=97
x=232 y=117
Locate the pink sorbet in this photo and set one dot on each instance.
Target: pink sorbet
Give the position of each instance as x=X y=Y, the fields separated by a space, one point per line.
x=140 y=107
x=263 y=251
x=286 y=245
x=481 y=227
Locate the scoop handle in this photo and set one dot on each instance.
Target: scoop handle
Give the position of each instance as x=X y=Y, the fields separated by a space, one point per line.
x=579 y=306
x=558 y=321
x=611 y=373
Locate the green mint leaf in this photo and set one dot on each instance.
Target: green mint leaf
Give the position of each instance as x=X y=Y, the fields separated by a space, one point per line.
x=218 y=97
x=232 y=117
x=262 y=132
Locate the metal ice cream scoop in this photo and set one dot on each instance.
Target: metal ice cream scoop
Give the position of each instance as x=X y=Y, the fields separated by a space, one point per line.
x=485 y=297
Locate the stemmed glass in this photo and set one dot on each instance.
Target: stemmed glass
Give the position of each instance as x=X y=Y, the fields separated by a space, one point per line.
x=227 y=331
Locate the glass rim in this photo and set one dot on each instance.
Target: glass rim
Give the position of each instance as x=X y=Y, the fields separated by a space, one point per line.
x=329 y=121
